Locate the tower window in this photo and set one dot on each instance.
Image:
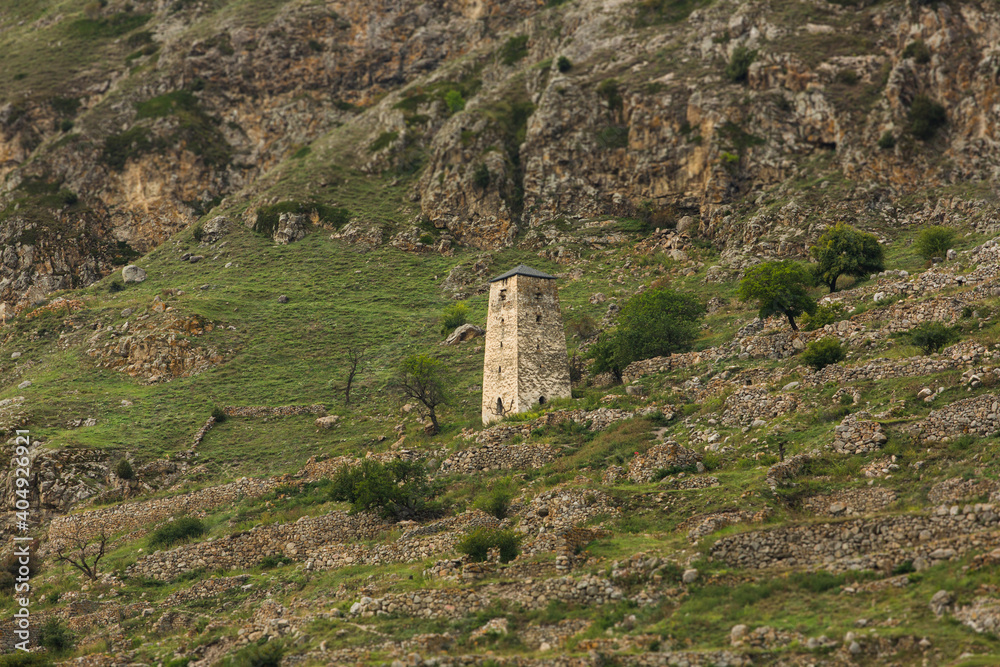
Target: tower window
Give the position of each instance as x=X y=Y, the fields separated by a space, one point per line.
x=541 y=400
x=538 y=295
x=499 y=406
x=498 y=370
x=503 y=295
x=538 y=318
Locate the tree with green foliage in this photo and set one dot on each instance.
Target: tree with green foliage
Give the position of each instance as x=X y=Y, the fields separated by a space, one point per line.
x=932 y=337
x=395 y=490
x=843 y=250
x=925 y=117
x=422 y=378
x=654 y=323
x=934 y=241
x=779 y=287
x=478 y=542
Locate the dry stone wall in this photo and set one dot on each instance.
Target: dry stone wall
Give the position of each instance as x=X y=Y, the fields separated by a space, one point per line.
x=858 y=434
x=245 y=550
x=643 y=468
x=864 y=543
x=979 y=415
x=137 y=515
x=498 y=457
x=747 y=404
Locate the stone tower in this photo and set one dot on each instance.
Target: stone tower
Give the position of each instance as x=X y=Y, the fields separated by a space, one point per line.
x=526 y=363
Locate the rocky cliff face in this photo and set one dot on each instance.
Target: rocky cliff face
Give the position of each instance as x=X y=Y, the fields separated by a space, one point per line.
x=762 y=121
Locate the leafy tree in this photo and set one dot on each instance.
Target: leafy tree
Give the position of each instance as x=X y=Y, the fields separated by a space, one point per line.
x=932 y=337
x=822 y=353
x=934 y=241
x=396 y=490
x=422 y=378
x=779 y=287
x=654 y=323
x=844 y=250
x=738 y=66
x=124 y=470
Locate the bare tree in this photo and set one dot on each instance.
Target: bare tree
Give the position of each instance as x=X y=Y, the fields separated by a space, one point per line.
x=77 y=549
x=422 y=378
x=356 y=358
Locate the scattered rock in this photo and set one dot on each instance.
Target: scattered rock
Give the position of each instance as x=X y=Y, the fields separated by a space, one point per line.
x=133 y=274
x=463 y=333
x=941 y=602
x=24 y=385
x=327 y=422
x=282 y=299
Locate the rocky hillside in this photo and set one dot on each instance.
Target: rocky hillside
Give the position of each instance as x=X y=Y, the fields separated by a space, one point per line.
x=501 y=124
x=302 y=191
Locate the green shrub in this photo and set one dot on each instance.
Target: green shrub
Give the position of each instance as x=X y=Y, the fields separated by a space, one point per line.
x=825 y=314
x=848 y=77
x=477 y=543
x=613 y=136
x=455 y=315
x=581 y=325
x=6 y=582
x=266 y=222
x=22 y=659
x=382 y=141
x=176 y=531
x=934 y=241
x=496 y=500
x=481 y=176
x=198 y=232
x=906 y=567
x=219 y=414
x=266 y=654
x=925 y=117
x=271 y=562
x=822 y=353
x=652 y=12
x=124 y=470
x=563 y=64
x=918 y=51
x=739 y=64
x=931 y=337
x=610 y=92
x=115 y=286
x=118 y=148
x=65 y=125
x=395 y=490
x=887 y=140
x=55 y=636
x=514 y=49
x=454 y=101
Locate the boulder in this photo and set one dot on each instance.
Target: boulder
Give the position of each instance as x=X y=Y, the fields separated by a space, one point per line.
x=291 y=228
x=328 y=421
x=215 y=229
x=463 y=333
x=133 y=274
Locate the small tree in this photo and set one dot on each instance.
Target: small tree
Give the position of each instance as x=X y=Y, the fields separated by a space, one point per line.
x=477 y=543
x=925 y=117
x=778 y=287
x=654 y=323
x=821 y=353
x=934 y=241
x=77 y=549
x=124 y=470
x=356 y=357
x=422 y=378
x=396 y=490
x=844 y=250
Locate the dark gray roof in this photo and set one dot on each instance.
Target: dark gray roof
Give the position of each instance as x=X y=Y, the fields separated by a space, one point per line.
x=523 y=270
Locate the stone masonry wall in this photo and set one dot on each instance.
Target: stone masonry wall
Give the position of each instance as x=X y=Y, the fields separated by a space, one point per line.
x=979 y=415
x=863 y=543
